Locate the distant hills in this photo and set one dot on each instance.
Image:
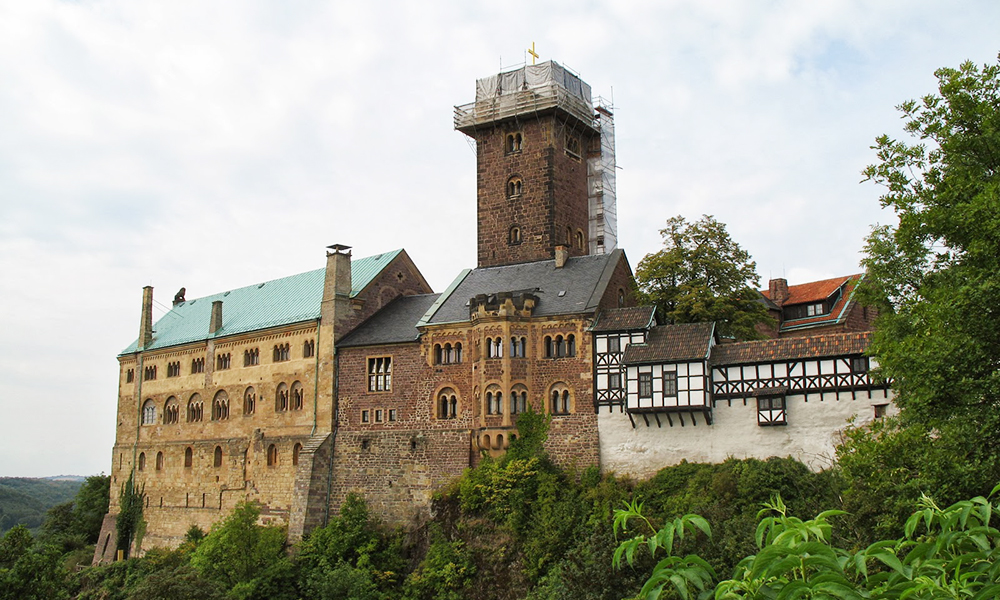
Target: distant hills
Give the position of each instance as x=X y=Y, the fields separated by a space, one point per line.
x=25 y=500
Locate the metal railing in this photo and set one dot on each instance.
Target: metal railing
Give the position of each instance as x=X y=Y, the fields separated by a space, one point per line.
x=505 y=106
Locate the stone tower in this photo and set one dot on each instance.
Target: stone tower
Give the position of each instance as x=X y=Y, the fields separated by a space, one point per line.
x=540 y=149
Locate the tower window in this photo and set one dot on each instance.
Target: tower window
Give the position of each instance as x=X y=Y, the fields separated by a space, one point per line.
x=514 y=187
x=515 y=236
x=579 y=239
x=129 y=376
x=513 y=143
x=573 y=146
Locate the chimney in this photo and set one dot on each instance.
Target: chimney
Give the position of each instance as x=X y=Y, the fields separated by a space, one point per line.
x=337 y=286
x=778 y=291
x=562 y=253
x=146 y=321
x=216 y=323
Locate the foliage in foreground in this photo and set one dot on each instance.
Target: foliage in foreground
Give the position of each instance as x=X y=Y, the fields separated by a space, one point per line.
x=944 y=553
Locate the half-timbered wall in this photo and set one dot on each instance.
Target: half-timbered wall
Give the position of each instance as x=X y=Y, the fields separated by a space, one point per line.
x=608 y=368
x=804 y=376
x=690 y=387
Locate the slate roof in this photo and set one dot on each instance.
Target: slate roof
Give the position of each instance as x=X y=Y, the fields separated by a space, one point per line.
x=672 y=343
x=394 y=323
x=273 y=303
x=575 y=288
x=825 y=345
x=629 y=318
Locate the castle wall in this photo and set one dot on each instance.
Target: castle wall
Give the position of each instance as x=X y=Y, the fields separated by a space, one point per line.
x=814 y=428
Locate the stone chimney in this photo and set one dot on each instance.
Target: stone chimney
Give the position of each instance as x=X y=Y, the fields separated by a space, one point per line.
x=146 y=321
x=216 y=323
x=337 y=286
x=778 y=291
x=562 y=253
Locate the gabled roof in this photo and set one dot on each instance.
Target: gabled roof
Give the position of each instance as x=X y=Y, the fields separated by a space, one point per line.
x=672 y=343
x=575 y=288
x=394 y=323
x=814 y=291
x=273 y=303
x=629 y=318
x=839 y=310
x=829 y=345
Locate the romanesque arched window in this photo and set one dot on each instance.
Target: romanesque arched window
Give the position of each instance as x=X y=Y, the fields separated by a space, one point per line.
x=308 y=348
x=579 y=239
x=512 y=143
x=195 y=410
x=560 y=399
x=171 y=411
x=188 y=457
x=272 y=455
x=159 y=461
x=142 y=461
x=217 y=462
x=560 y=344
x=447 y=404
x=296 y=450
x=220 y=406
x=571 y=345
x=438 y=354
x=298 y=396
x=514 y=187
x=494 y=400
x=518 y=399
x=518 y=347
x=281 y=398
x=249 y=401
x=514 y=237
x=149 y=412
x=550 y=351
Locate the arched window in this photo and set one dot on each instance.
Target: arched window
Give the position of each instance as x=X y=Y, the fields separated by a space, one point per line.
x=142 y=461
x=514 y=238
x=518 y=347
x=308 y=348
x=571 y=345
x=498 y=347
x=149 y=412
x=579 y=239
x=195 y=410
x=458 y=352
x=272 y=455
x=188 y=457
x=281 y=398
x=218 y=457
x=449 y=354
x=171 y=411
x=518 y=399
x=159 y=461
x=249 y=401
x=513 y=143
x=296 y=449
x=549 y=347
x=514 y=187
x=560 y=399
x=220 y=406
x=494 y=400
x=569 y=236
x=298 y=396
x=447 y=404
x=453 y=407
x=560 y=346
x=498 y=442
x=621 y=297
x=438 y=354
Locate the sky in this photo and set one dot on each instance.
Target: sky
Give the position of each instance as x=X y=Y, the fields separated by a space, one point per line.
x=213 y=145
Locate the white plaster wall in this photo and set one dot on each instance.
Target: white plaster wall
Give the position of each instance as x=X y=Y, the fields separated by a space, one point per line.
x=811 y=435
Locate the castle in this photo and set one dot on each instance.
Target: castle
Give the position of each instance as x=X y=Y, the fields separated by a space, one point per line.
x=357 y=377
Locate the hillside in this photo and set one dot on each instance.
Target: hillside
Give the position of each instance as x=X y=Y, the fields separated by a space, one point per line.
x=25 y=500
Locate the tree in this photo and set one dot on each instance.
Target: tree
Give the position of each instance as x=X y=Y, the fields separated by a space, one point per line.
x=129 y=521
x=701 y=275
x=935 y=277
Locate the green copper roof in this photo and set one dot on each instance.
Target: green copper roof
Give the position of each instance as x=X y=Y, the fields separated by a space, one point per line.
x=274 y=303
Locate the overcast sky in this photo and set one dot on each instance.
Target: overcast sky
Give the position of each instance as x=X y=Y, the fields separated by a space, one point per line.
x=214 y=145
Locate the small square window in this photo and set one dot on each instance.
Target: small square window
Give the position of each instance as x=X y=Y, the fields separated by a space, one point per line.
x=614 y=345
x=880 y=410
x=614 y=381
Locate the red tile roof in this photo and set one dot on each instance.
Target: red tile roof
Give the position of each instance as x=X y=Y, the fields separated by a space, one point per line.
x=829 y=345
x=814 y=291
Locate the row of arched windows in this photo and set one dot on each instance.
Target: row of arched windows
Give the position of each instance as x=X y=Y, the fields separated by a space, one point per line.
x=217 y=455
x=517 y=400
x=559 y=346
x=286 y=398
x=447 y=354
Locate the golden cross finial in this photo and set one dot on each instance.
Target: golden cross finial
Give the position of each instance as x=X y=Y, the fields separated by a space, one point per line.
x=532 y=52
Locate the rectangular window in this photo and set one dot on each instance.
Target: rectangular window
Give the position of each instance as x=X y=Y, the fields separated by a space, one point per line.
x=880 y=410
x=859 y=364
x=614 y=381
x=771 y=411
x=364 y=416
x=645 y=385
x=670 y=383
x=392 y=414
x=614 y=345
x=380 y=374
x=378 y=415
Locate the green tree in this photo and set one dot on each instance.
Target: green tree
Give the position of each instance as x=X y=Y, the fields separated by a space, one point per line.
x=935 y=277
x=29 y=571
x=702 y=275
x=239 y=553
x=129 y=521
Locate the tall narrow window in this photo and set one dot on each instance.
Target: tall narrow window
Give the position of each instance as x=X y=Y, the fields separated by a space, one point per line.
x=281 y=352
x=149 y=373
x=560 y=400
x=380 y=374
x=298 y=396
x=188 y=457
x=173 y=369
x=645 y=385
x=249 y=401
x=272 y=455
x=220 y=406
x=149 y=412
x=159 y=461
x=251 y=357
x=571 y=345
x=217 y=461
x=296 y=449
x=513 y=143
x=129 y=376
x=670 y=383
x=281 y=398
x=142 y=461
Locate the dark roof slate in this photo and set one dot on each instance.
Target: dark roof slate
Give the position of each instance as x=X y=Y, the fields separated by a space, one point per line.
x=395 y=323
x=629 y=318
x=671 y=343
x=575 y=288
x=829 y=345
